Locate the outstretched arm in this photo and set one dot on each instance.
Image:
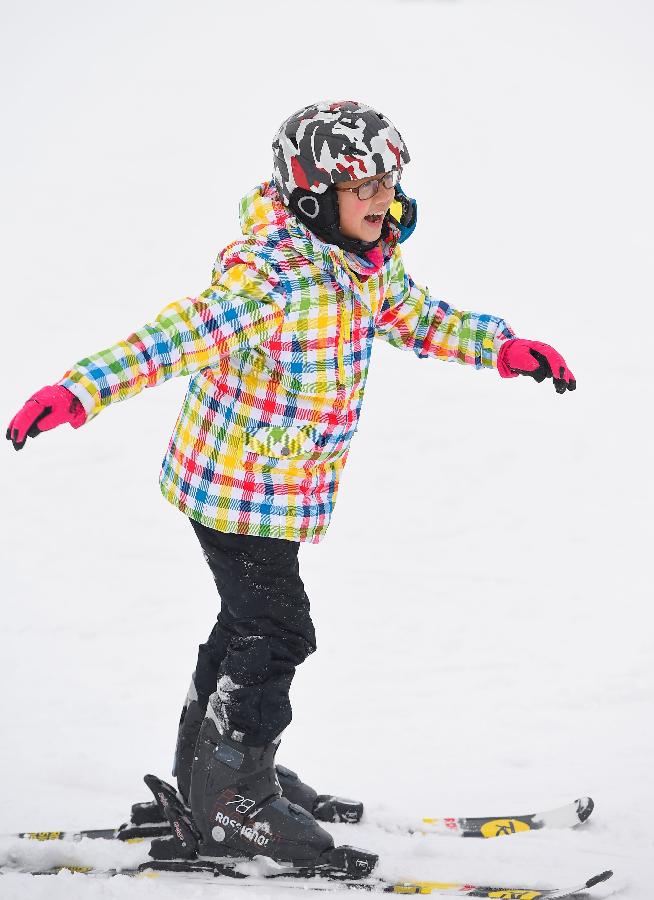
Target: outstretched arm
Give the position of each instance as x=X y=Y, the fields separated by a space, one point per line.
x=243 y=308
x=412 y=320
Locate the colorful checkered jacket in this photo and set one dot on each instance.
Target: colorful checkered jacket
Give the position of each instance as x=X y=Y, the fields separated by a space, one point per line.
x=278 y=349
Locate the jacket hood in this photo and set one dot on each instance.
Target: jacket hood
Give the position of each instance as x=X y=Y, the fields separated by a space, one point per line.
x=261 y=211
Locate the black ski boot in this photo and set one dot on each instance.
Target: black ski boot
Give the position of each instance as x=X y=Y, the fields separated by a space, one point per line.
x=178 y=852
x=324 y=807
x=147 y=820
x=238 y=808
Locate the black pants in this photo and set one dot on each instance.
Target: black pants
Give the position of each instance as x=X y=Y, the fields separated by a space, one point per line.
x=264 y=630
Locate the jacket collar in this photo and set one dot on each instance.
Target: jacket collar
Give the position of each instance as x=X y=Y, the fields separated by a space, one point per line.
x=262 y=212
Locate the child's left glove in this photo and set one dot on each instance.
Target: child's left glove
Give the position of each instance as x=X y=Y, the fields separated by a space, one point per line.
x=540 y=361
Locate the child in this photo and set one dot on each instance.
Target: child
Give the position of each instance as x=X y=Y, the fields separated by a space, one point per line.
x=279 y=348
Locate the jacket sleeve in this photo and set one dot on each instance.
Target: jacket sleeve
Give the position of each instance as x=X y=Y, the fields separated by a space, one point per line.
x=412 y=320
x=243 y=307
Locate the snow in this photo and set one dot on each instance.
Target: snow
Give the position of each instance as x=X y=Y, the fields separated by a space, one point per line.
x=482 y=599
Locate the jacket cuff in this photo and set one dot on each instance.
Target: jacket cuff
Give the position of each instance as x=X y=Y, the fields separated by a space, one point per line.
x=85 y=391
x=501 y=336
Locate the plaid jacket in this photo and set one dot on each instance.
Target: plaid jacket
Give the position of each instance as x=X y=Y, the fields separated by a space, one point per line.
x=278 y=348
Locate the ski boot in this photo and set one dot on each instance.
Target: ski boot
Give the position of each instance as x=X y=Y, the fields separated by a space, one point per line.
x=238 y=808
x=324 y=807
x=147 y=820
x=179 y=852
x=238 y=812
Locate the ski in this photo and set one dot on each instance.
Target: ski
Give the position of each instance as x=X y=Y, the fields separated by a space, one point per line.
x=233 y=874
x=122 y=833
x=566 y=816
x=145 y=823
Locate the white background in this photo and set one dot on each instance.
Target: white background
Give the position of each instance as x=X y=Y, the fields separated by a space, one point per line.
x=483 y=597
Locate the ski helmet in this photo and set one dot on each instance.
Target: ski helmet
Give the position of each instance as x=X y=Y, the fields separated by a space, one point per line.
x=325 y=144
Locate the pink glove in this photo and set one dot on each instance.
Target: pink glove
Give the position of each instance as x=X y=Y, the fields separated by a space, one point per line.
x=520 y=357
x=49 y=407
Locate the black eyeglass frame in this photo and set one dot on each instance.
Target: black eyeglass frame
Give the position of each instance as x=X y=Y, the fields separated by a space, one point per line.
x=395 y=175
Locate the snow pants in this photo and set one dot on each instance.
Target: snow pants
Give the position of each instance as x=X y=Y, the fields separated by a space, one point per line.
x=263 y=631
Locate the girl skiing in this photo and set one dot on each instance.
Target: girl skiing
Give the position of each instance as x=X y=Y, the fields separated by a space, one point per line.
x=278 y=348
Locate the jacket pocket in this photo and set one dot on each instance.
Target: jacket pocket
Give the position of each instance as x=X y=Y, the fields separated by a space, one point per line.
x=283 y=441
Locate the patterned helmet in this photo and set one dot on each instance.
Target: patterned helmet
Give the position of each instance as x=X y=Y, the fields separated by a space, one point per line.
x=326 y=143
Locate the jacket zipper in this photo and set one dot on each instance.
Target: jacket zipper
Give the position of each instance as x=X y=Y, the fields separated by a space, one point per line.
x=343 y=335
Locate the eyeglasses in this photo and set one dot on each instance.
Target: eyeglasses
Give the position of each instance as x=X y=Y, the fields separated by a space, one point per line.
x=369 y=188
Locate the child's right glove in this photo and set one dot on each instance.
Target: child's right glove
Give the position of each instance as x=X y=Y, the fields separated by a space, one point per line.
x=540 y=361
x=51 y=406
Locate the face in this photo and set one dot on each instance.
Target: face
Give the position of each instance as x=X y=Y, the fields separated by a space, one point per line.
x=363 y=219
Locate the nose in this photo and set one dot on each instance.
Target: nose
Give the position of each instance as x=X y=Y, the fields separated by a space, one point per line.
x=384 y=197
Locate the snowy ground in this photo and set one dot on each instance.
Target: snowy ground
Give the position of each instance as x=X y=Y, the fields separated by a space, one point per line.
x=483 y=597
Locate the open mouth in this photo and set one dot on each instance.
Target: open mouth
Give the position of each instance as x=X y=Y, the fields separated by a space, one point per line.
x=374 y=219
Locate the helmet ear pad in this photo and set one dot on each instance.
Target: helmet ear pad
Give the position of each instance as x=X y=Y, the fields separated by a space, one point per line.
x=319 y=212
